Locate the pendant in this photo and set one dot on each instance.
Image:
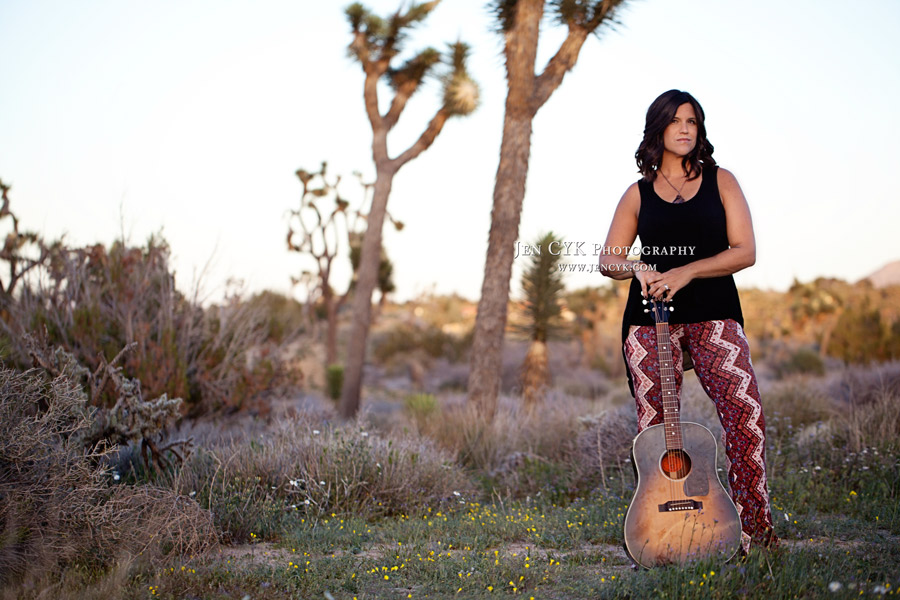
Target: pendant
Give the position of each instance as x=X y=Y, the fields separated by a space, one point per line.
x=678 y=199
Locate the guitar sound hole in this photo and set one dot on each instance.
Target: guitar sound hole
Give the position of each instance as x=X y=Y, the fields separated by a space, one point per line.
x=676 y=464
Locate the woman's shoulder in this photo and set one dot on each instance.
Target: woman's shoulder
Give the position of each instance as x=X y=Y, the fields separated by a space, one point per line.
x=723 y=175
x=630 y=202
x=729 y=189
x=638 y=187
x=632 y=195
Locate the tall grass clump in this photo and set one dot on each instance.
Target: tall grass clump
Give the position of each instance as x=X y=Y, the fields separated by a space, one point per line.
x=799 y=400
x=301 y=471
x=60 y=504
x=556 y=451
x=868 y=407
x=421 y=408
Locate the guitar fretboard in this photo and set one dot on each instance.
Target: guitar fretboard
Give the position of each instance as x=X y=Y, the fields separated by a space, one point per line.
x=671 y=405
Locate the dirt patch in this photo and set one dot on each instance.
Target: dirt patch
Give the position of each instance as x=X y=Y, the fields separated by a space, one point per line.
x=262 y=553
x=608 y=551
x=268 y=554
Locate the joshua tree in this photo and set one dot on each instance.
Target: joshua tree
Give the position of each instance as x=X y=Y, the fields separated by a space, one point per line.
x=542 y=283
x=320 y=234
x=376 y=42
x=519 y=22
x=15 y=249
x=320 y=238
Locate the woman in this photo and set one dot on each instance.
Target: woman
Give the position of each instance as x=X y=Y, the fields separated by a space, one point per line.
x=695 y=231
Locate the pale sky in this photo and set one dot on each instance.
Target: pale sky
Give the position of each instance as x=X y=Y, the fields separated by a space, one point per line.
x=191 y=117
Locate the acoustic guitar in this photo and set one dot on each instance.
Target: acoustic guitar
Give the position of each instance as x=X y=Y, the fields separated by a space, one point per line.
x=680 y=511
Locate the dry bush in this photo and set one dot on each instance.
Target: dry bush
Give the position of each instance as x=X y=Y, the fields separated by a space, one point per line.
x=93 y=301
x=259 y=484
x=131 y=420
x=284 y=317
x=48 y=486
x=153 y=522
x=803 y=360
x=416 y=339
x=57 y=505
x=606 y=440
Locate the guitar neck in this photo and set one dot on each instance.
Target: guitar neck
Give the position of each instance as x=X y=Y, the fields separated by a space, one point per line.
x=671 y=405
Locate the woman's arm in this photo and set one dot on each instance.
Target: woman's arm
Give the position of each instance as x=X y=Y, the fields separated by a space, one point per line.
x=622 y=233
x=740 y=255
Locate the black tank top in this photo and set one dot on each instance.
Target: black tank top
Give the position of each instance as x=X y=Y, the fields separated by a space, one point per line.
x=673 y=235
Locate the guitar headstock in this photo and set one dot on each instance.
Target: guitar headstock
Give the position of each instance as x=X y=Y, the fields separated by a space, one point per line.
x=659 y=308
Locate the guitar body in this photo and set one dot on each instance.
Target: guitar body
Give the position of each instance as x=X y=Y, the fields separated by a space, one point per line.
x=680 y=511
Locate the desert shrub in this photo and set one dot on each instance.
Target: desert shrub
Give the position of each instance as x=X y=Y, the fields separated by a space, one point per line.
x=93 y=301
x=57 y=504
x=803 y=361
x=604 y=443
x=433 y=341
x=262 y=485
x=334 y=381
x=132 y=419
x=860 y=336
x=283 y=316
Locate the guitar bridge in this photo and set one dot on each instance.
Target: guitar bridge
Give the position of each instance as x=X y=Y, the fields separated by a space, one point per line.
x=679 y=505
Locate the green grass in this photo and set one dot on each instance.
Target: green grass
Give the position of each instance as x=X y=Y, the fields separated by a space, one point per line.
x=831 y=540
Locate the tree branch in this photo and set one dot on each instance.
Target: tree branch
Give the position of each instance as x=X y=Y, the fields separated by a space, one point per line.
x=399 y=103
x=563 y=61
x=425 y=140
x=104 y=367
x=370 y=94
x=602 y=10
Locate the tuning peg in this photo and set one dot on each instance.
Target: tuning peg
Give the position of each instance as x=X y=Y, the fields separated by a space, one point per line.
x=644 y=302
x=671 y=309
x=646 y=310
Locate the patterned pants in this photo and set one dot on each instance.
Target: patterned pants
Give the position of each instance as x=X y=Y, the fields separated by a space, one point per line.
x=721 y=358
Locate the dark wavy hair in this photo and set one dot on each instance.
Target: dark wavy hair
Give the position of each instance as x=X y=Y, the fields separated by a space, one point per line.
x=659 y=115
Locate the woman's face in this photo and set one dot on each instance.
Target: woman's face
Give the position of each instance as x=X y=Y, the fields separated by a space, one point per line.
x=680 y=136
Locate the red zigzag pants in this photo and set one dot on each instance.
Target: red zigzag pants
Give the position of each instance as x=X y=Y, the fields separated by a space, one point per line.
x=721 y=358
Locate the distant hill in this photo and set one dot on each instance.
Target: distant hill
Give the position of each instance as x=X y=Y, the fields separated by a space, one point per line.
x=887 y=275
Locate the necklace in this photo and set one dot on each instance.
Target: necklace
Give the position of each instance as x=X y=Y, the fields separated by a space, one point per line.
x=678 y=197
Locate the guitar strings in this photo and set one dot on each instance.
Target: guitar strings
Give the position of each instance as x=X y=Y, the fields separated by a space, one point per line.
x=662 y=343
x=672 y=425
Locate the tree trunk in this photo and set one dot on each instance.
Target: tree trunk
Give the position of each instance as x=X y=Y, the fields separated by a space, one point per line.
x=509 y=191
x=490 y=322
x=369 y=258
x=535 y=375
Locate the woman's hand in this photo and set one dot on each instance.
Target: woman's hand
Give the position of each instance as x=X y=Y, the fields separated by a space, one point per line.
x=644 y=278
x=664 y=286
